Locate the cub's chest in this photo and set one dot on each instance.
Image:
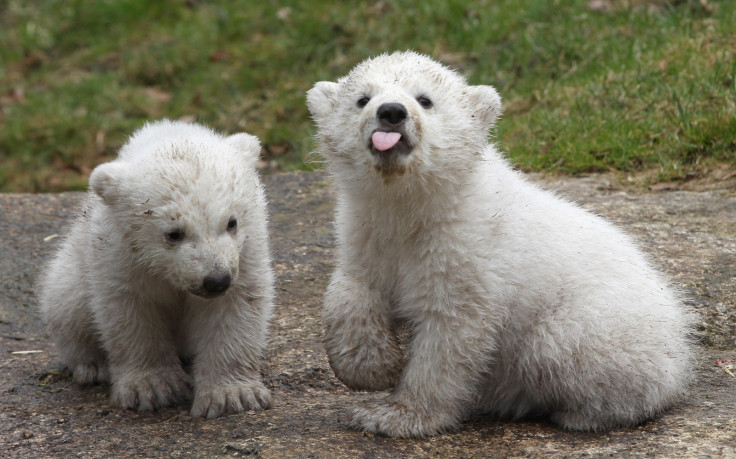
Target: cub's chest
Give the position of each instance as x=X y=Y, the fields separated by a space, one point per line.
x=421 y=248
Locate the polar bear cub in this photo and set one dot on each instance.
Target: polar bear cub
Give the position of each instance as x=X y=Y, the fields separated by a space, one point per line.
x=517 y=302
x=168 y=259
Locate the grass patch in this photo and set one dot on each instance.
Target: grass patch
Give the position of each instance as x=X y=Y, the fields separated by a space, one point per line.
x=607 y=85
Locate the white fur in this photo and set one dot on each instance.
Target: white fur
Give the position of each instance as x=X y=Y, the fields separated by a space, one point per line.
x=123 y=303
x=517 y=302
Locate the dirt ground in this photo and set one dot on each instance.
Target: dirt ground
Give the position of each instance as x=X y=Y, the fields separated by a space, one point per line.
x=691 y=234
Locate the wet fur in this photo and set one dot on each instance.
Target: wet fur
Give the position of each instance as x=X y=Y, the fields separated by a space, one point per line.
x=518 y=302
x=124 y=305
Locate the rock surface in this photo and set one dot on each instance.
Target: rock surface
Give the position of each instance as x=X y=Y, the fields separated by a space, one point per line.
x=690 y=234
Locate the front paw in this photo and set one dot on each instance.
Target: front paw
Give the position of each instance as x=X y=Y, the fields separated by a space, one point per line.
x=214 y=402
x=363 y=360
x=399 y=420
x=90 y=373
x=367 y=370
x=150 y=390
x=361 y=343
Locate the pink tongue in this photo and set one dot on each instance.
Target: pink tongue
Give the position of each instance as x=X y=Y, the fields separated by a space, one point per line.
x=385 y=140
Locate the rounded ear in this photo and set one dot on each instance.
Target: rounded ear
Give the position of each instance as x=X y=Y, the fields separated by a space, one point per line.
x=107 y=181
x=322 y=98
x=485 y=103
x=248 y=145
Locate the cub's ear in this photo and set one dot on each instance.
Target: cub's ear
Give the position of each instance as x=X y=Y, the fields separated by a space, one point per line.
x=108 y=181
x=485 y=103
x=247 y=145
x=322 y=98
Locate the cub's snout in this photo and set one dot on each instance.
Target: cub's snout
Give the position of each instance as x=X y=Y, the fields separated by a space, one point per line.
x=389 y=141
x=215 y=285
x=391 y=114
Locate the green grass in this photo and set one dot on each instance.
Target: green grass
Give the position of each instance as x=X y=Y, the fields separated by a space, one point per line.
x=633 y=86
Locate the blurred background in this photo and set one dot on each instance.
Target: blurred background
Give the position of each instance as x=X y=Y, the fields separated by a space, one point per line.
x=644 y=89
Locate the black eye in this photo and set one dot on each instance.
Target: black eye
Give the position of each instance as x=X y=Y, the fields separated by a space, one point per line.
x=425 y=102
x=363 y=101
x=173 y=237
x=232 y=224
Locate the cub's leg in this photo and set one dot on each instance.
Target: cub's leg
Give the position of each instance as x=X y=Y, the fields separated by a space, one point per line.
x=65 y=309
x=451 y=344
x=362 y=347
x=145 y=369
x=229 y=336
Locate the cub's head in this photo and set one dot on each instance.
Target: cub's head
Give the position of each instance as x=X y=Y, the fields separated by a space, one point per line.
x=184 y=199
x=400 y=113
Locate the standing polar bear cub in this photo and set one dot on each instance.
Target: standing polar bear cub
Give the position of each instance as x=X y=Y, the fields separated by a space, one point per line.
x=517 y=302
x=167 y=260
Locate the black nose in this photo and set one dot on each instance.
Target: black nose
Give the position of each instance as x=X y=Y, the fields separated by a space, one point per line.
x=218 y=284
x=391 y=113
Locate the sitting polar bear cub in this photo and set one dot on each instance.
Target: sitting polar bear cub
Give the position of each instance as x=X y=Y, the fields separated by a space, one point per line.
x=517 y=302
x=168 y=259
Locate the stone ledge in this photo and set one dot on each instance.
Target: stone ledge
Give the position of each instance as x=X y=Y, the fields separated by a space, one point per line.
x=691 y=235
